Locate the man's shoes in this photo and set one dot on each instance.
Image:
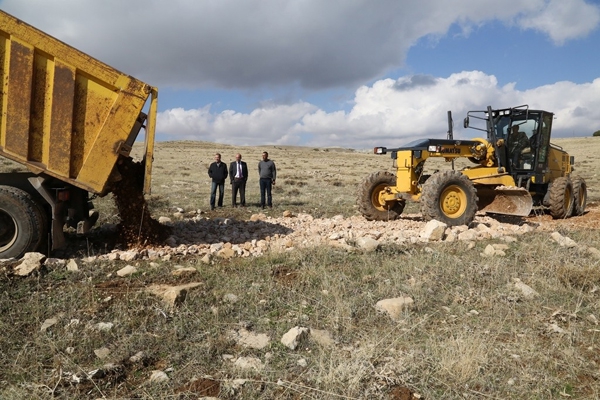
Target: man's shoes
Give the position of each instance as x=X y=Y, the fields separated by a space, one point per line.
x=270 y=206
x=212 y=208
x=263 y=207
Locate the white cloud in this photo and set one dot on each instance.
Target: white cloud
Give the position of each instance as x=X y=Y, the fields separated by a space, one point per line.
x=252 y=43
x=563 y=20
x=389 y=113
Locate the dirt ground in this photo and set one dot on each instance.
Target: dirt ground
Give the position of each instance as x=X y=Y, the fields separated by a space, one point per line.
x=589 y=220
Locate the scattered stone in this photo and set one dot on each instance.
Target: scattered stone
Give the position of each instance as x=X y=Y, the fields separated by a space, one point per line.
x=184 y=271
x=493 y=251
x=73 y=265
x=563 y=241
x=554 y=328
x=367 y=244
x=593 y=252
x=164 y=220
x=250 y=339
x=104 y=326
x=206 y=259
x=126 y=271
x=526 y=290
x=158 y=377
x=128 y=255
x=288 y=214
x=102 y=352
x=394 y=307
x=434 y=231
x=29 y=263
x=48 y=323
x=249 y=363
x=172 y=295
x=294 y=337
x=137 y=357
x=302 y=362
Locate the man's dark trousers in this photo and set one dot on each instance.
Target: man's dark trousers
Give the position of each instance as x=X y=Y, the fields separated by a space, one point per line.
x=213 y=193
x=239 y=184
x=266 y=185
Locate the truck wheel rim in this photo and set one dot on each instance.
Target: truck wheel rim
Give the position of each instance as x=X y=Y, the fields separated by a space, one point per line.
x=453 y=201
x=8 y=231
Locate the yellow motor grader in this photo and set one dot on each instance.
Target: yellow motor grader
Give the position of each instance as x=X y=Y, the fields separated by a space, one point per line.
x=516 y=168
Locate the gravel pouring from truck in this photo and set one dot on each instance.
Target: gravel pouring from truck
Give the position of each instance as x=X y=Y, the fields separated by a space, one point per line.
x=71 y=120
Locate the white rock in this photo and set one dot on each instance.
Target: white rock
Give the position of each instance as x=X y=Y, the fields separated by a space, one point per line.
x=164 y=220
x=172 y=295
x=29 y=263
x=158 y=377
x=394 y=307
x=104 y=326
x=102 y=352
x=249 y=363
x=563 y=241
x=126 y=271
x=294 y=337
x=74 y=264
x=367 y=243
x=434 y=231
x=48 y=323
x=128 y=255
x=527 y=291
x=302 y=362
x=251 y=339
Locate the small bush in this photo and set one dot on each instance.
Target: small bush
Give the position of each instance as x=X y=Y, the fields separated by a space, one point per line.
x=597 y=133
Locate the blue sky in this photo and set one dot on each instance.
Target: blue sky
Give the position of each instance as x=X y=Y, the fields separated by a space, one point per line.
x=349 y=73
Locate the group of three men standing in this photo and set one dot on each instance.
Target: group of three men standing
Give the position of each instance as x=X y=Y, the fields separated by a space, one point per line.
x=238 y=176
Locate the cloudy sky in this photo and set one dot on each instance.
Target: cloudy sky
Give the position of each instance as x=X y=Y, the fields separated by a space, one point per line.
x=349 y=73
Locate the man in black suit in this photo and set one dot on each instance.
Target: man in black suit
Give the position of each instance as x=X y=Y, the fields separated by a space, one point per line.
x=238 y=175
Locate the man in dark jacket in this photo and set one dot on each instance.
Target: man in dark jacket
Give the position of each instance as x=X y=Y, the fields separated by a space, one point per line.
x=218 y=173
x=267 y=173
x=238 y=175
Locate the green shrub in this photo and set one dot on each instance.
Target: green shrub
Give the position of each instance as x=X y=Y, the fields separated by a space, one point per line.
x=597 y=133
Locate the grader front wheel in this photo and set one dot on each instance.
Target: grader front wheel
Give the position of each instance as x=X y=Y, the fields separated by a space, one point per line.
x=449 y=197
x=369 y=201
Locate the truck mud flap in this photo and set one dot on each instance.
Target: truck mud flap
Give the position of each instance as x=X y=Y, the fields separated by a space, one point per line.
x=505 y=200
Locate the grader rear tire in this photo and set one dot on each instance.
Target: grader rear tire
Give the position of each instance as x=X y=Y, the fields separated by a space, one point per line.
x=579 y=194
x=368 y=201
x=21 y=223
x=561 y=198
x=449 y=197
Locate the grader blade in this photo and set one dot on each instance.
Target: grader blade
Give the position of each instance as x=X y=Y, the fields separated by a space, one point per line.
x=505 y=200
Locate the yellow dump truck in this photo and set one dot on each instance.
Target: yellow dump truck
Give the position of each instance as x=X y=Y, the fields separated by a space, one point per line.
x=71 y=120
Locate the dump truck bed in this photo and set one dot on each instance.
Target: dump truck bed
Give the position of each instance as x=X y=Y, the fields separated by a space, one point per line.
x=66 y=114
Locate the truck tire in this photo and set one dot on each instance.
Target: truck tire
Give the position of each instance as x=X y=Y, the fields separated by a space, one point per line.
x=368 y=198
x=449 y=197
x=21 y=223
x=579 y=194
x=561 y=198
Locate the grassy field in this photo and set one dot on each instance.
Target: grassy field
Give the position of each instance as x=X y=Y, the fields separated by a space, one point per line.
x=470 y=334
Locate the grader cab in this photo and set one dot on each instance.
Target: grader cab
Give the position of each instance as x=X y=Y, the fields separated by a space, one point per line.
x=516 y=168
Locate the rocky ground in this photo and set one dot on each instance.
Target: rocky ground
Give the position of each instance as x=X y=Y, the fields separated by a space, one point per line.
x=194 y=233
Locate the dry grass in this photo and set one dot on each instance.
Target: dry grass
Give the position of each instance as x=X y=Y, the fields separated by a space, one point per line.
x=470 y=335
